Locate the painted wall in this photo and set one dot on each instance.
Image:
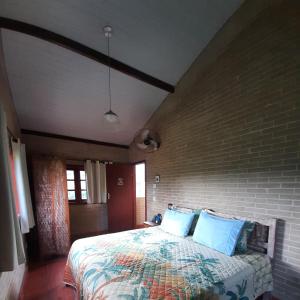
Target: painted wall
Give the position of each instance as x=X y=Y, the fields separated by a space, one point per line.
x=88 y=220
x=231 y=131
x=10 y=282
x=84 y=219
x=73 y=150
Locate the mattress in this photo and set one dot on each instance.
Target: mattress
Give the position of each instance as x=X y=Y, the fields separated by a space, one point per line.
x=152 y=264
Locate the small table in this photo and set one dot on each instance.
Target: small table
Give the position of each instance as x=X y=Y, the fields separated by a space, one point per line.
x=149 y=224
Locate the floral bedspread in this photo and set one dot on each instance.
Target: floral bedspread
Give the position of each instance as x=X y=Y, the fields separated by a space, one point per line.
x=151 y=264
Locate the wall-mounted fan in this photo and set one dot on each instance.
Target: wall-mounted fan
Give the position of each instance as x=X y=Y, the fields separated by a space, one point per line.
x=147 y=140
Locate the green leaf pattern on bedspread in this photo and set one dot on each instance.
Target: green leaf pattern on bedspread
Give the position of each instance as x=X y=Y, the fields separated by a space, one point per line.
x=204 y=264
x=152 y=264
x=241 y=292
x=138 y=236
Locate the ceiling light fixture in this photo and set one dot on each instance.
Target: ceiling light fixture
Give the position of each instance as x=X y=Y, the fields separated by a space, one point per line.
x=109 y=116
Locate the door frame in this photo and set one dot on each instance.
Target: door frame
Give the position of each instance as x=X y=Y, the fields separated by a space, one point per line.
x=134 y=205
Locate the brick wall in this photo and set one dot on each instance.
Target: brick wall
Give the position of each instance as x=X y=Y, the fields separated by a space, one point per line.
x=231 y=135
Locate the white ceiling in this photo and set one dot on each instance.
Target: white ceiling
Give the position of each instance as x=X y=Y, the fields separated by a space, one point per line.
x=58 y=91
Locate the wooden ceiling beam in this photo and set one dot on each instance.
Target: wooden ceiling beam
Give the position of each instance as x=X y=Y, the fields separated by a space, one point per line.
x=71 y=138
x=83 y=50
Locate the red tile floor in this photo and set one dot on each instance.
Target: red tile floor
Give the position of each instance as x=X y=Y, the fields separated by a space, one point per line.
x=44 y=281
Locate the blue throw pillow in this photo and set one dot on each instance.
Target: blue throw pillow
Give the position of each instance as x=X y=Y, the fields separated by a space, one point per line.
x=177 y=222
x=218 y=233
x=197 y=213
x=242 y=243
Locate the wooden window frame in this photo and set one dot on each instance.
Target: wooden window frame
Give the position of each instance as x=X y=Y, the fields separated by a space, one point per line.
x=78 y=200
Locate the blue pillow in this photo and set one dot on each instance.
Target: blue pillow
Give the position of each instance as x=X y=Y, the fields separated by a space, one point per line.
x=177 y=222
x=242 y=243
x=218 y=233
x=197 y=213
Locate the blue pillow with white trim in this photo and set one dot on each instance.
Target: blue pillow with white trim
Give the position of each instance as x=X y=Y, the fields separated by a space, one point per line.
x=242 y=243
x=218 y=233
x=176 y=222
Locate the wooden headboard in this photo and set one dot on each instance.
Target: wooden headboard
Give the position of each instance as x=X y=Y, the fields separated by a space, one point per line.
x=263 y=236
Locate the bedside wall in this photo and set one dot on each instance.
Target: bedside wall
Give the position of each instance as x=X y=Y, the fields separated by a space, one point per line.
x=230 y=133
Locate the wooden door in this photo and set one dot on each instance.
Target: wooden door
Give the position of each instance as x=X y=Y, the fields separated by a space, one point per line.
x=121 y=197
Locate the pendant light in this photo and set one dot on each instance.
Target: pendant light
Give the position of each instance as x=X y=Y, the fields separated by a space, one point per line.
x=109 y=116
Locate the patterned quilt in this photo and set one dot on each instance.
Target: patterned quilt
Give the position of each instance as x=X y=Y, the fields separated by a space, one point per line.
x=152 y=264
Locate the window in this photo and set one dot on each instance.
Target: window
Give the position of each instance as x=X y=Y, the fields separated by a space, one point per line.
x=76 y=184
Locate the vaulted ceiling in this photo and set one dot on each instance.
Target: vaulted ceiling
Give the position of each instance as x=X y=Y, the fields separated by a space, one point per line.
x=58 y=91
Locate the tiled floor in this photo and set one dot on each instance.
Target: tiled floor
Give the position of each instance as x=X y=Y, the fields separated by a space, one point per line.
x=43 y=281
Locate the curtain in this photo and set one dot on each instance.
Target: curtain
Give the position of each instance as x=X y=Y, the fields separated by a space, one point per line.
x=14 y=183
x=96 y=181
x=52 y=211
x=12 y=251
x=22 y=183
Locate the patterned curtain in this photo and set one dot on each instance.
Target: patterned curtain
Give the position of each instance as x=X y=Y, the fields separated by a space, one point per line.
x=53 y=224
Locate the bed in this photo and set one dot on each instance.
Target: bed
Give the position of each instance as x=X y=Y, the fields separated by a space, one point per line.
x=152 y=264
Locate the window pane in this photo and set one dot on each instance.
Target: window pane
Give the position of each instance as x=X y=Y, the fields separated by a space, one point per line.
x=70 y=174
x=83 y=195
x=82 y=175
x=71 y=195
x=71 y=185
x=83 y=185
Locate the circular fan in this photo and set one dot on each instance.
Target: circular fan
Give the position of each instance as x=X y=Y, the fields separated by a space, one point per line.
x=147 y=140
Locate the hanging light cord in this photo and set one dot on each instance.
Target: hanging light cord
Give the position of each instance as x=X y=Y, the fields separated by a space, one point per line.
x=110 y=116
x=109 y=89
